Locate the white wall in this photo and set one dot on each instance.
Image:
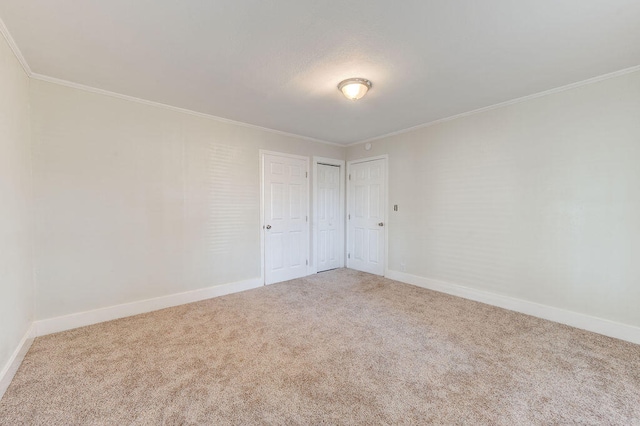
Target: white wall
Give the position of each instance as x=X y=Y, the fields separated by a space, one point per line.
x=538 y=200
x=135 y=201
x=16 y=277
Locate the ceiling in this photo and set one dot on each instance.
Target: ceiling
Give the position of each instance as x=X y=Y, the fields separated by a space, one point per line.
x=276 y=63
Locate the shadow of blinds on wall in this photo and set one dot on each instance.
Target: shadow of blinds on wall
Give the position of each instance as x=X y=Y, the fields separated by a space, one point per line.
x=222 y=216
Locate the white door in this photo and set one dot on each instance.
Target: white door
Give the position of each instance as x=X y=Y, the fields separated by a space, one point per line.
x=286 y=216
x=366 y=216
x=330 y=247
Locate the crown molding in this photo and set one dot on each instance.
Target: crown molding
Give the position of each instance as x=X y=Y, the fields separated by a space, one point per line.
x=504 y=104
x=91 y=89
x=27 y=69
x=14 y=47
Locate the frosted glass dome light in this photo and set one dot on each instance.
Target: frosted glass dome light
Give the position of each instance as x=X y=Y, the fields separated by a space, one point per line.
x=354 y=88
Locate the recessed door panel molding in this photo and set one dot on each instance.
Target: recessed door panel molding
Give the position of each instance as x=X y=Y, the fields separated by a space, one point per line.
x=285 y=222
x=276 y=251
x=366 y=215
x=277 y=201
x=295 y=201
x=329 y=213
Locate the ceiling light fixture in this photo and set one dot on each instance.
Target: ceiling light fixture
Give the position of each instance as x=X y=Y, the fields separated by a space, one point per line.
x=354 y=88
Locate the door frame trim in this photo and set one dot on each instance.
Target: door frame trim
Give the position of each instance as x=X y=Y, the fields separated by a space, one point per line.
x=387 y=213
x=342 y=215
x=261 y=154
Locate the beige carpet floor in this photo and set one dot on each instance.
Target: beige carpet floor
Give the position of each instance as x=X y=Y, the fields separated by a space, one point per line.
x=341 y=347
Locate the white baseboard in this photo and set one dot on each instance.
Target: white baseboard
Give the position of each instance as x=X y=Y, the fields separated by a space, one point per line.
x=574 y=319
x=81 y=319
x=12 y=365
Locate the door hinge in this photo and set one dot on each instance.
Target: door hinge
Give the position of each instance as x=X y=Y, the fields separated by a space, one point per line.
x=349 y=176
x=307 y=262
x=306 y=218
x=306 y=174
x=349 y=256
x=349 y=216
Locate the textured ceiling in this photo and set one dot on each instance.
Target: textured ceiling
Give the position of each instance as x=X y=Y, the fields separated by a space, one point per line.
x=276 y=63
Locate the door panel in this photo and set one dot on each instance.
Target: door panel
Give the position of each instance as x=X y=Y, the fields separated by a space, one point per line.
x=366 y=216
x=374 y=243
x=276 y=250
x=358 y=252
x=277 y=201
x=330 y=250
x=285 y=218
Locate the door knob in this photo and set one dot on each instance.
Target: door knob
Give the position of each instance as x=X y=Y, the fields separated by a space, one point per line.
x=268 y=226
x=381 y=224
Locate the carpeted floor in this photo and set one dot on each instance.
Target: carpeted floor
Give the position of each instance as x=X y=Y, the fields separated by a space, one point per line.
x=340 y=347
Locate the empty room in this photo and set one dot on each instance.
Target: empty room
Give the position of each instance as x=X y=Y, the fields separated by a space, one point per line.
x=319 y=212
